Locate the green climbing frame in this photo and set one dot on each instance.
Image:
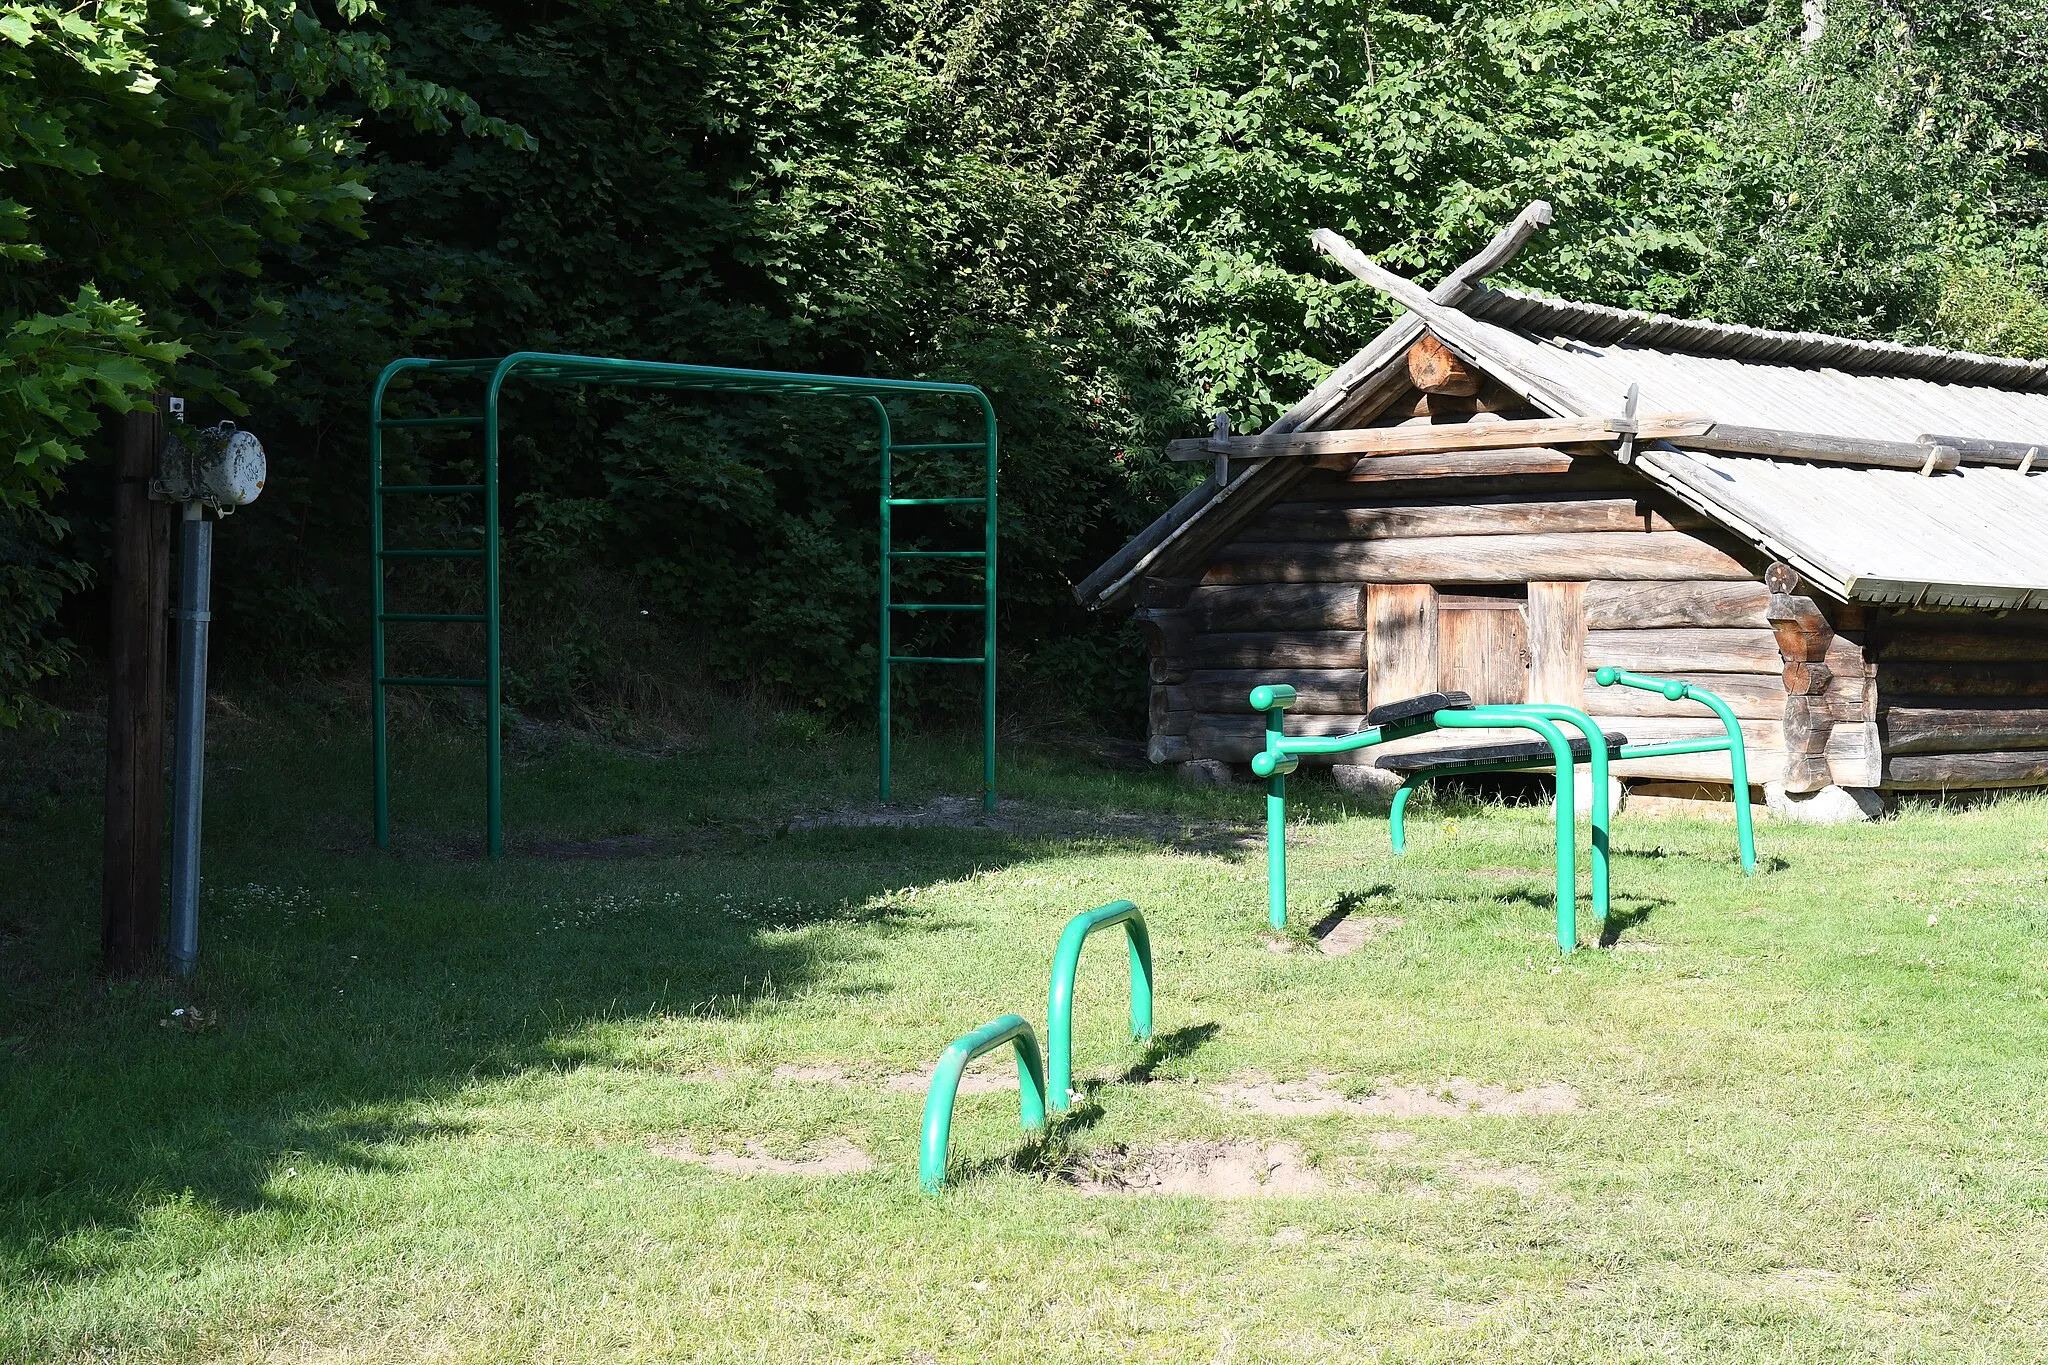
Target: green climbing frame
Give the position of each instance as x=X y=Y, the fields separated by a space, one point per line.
x=494 y=373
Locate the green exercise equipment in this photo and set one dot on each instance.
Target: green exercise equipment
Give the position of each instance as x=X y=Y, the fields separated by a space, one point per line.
x=1730 y=743
x=1033 y=1080
x=1059 y=1007
x=494 y=373
x=945 y=1088
x=1399 y=720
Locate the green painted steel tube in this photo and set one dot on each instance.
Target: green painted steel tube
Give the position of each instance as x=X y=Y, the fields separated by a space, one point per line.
x=1274 y=763
x=1508 y=717
x=988 y=597
x=494 y=694
x=1059 y=1007
x=1397 y=812
x=887 y=649
x=1738 y=758
x=1597 y=759
x=497 y=371
x=945 y=1088
x=1602 y=812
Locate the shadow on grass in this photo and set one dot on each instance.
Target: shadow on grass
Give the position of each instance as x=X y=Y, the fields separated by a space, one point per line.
x=352 y=987
x=1626 y=913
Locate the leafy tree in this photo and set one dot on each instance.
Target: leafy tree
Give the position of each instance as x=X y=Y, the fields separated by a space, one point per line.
x=153 y=159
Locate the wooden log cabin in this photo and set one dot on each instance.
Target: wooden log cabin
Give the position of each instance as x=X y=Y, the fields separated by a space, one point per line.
x=1848 y=540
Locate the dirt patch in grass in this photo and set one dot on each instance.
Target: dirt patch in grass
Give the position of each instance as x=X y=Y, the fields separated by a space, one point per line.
x=1451 y=1099
x=827 y=1156
x=1209 y=1170
x=1341 y=935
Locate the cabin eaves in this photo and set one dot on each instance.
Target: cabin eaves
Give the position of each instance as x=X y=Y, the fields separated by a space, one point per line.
x=1975 y=537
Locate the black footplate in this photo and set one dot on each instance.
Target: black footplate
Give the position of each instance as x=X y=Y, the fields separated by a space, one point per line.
x=1536 y=753
x=1414 y=708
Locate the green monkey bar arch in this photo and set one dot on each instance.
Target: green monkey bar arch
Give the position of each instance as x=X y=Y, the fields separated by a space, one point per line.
x=646 y=374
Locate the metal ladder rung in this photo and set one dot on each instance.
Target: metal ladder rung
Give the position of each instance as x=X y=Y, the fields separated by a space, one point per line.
x=940 y=445
x=383 y=488
x=938 y=554
x=476 y=618
x=933 y=659
x=387 y=423
x=936 y=502
x=432 y=682
x=430 y=554
x=938 y=606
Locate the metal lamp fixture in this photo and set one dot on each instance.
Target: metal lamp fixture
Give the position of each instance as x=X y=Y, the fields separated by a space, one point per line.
x=222 y=468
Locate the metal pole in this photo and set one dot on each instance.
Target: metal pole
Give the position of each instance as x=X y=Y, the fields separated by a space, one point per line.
x=380 y=743
x=188 y=781
x=988 y=625
x=494 y=762
x=888 y=547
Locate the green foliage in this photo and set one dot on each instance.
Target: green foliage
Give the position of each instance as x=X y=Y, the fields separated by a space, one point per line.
x=1098 y=210
x=153 y=160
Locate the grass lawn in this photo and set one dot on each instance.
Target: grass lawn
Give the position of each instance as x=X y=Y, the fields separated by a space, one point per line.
x=434 y=1106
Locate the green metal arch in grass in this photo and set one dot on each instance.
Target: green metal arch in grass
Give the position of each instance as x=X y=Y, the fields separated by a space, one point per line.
x=545 y=367
x=945 y=1089
x=1066 y=963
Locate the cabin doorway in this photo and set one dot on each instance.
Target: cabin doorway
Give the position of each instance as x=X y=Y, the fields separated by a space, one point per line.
x=1457 y=638
x=1483 y=643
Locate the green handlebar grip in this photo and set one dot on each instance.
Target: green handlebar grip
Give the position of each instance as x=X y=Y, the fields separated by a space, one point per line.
x=1272 y=697
x=1266 y=763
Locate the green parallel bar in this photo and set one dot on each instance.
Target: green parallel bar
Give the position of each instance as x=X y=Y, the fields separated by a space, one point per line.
x=472 y=618
x=935 y=502
x=393 y=423
x=935 y=606
x=945 y=1087
x=942 y=445
x=431 y=682
x=1059 y=1008
x=1597 y=759
x=1282 y=752
x=430 y=488
x=1602 y=815
x=1514 y=718
x=430 y=554
x=931 y=659
x=1738 y=756
x=938 y=554
x=1705 y=744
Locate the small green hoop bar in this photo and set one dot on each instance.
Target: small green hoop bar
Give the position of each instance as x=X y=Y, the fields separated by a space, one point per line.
x=1059 y=1009
x=945 y=1088
x=1671 y=689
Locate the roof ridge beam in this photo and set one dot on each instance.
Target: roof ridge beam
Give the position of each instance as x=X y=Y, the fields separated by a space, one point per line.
x=1507 y=244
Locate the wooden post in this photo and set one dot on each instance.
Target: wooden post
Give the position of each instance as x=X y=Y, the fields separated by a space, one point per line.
x=132 y=885
x=1803 y=636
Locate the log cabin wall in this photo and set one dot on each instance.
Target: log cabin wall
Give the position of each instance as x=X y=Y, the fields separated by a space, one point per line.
x=1352 y=588
x=1959 y=700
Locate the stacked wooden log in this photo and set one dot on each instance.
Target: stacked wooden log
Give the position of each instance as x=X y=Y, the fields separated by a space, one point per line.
x=1961 y=701
x=1614 y=574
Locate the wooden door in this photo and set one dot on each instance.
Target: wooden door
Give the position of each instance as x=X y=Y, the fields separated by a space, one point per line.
x=1400 y=642
x=1482 y=647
